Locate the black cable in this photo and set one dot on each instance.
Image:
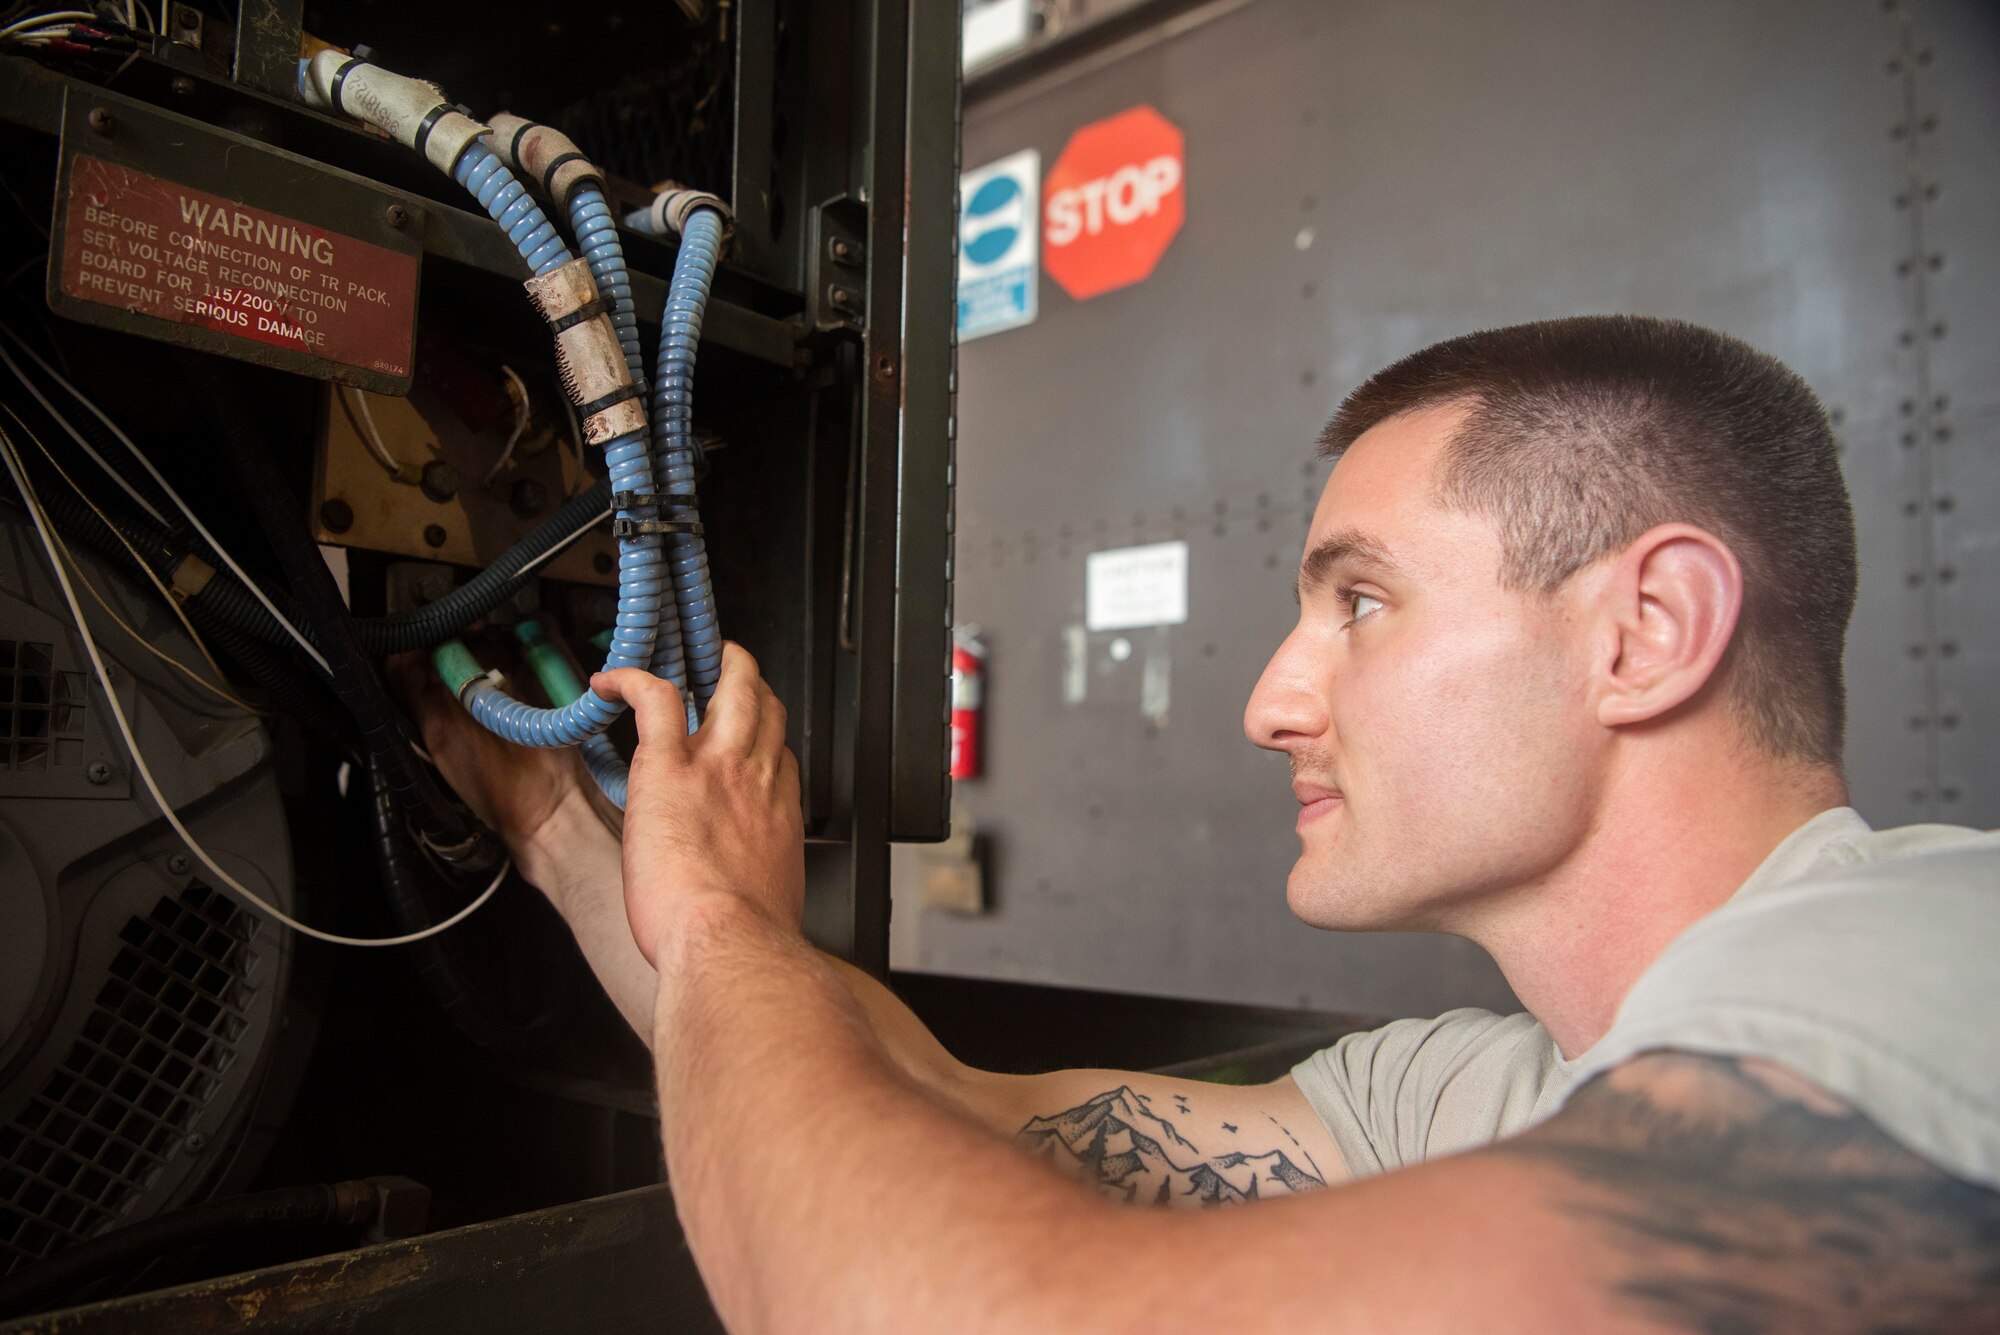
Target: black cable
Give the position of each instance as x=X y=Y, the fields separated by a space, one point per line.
x=445 y=826
x=303 y=697
x=317 y=1206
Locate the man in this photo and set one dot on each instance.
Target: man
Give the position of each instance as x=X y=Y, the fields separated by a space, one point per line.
x=1566 y=681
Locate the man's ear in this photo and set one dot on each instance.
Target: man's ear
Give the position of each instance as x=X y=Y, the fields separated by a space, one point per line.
x=1671 y=604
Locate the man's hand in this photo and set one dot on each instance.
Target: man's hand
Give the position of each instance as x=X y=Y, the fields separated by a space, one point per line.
x=713 y=814
x=517 y=790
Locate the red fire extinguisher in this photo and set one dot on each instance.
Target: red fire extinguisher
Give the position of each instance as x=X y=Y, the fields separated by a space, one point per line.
x=968 y=692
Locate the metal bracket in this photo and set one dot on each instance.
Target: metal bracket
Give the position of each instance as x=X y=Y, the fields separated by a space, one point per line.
x=837 y=265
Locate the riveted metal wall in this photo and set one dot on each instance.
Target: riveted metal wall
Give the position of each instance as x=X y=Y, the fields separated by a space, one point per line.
x=1822 y=179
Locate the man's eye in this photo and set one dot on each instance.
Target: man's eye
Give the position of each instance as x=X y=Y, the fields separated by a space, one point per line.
x=1362 y=605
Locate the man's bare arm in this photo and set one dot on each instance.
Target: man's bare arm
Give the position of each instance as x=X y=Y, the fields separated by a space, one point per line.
x=1136 y=1138
x=1730 y=1195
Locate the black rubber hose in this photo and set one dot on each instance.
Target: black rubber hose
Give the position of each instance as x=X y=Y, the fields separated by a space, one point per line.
x=446 y=963
x=302 y=697
x=436 y=622
x=439 y=821
x=226 y=599
x=33 y=1286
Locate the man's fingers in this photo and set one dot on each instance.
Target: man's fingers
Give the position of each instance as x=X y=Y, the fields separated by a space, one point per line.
x=770 y=725
x=656 y=705
x=732 y=711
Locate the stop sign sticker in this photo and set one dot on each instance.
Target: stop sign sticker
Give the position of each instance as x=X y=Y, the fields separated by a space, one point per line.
x=1113 y=202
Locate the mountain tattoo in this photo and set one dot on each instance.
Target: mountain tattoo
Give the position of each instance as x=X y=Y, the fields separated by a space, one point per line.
x=1118 y=1144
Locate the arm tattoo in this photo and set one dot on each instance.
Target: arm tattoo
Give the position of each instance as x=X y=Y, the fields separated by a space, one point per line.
x=1738 y=1200
x=1118 y=1144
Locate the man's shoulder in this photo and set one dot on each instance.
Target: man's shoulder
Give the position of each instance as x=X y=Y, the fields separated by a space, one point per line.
x=1867 y=973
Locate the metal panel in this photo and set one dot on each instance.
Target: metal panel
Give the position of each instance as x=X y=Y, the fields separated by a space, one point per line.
x=1364 y=180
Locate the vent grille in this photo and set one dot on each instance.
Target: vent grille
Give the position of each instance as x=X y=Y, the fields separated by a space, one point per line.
x=167 y=1023
x=41 y=709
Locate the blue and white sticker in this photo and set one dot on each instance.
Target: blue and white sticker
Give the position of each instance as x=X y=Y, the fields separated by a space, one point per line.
x=999 y=237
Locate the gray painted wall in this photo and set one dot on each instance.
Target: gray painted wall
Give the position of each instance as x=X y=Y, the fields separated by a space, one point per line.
x=1822 y=179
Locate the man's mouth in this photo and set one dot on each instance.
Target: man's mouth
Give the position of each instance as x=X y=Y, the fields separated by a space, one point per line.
x=1316 y=800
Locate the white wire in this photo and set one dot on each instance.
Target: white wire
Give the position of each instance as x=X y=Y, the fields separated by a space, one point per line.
x=53 y=16
x=370 y=435
x=256 y=591
x=74 y=434
x=42 y=528
x=563 y=546
x=521 y=417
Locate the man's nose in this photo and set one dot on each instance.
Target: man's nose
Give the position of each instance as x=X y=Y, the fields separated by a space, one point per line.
x=1286 y=707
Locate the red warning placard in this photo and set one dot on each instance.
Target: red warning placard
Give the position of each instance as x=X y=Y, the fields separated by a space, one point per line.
x=149 y=246
x=1113 y=202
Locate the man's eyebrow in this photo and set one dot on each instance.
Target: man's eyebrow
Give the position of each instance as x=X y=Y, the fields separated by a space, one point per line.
x=1346 y=547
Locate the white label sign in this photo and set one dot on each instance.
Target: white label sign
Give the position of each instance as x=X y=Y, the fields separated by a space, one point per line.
x=1136 y=586
x=999 y=238
x=993 y=28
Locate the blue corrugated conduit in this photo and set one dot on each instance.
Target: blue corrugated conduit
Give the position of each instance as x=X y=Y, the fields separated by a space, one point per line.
x=673 y=430
x=597 y=237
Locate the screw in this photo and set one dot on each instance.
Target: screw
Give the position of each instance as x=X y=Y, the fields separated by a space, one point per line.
x=195 y=1142
x=398 y=216
x=434 y=535
x=843 y=299
x=98 y=772
x=182 y=86
x=177 y=864
x=188 y=17
x=885 y=366
x=101 y=121
x=336 y=516
x=439 y=482
x=845 y=251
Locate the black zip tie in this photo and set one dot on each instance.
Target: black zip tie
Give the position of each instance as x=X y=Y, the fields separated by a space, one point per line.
x=590 y=310
x=611 y=400
x=429 y=122
x=632 y=528
x=339 y=80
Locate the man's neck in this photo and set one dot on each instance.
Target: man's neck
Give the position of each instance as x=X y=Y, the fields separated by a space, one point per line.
x=1661 y=855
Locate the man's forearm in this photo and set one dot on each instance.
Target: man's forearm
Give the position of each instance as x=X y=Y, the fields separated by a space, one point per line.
x=574 y=861
x=785 y=1120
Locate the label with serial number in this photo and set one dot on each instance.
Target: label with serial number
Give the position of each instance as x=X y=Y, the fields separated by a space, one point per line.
x=148 y=246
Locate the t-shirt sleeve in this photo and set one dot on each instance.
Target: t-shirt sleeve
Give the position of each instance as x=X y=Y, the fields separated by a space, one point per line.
x=1415 y=1089
x=1875 y=981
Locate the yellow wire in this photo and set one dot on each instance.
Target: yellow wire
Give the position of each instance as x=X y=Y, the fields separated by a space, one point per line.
x=173 y=603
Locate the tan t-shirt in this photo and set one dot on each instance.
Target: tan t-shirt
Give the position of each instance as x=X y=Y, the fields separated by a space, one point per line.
x=1862 y=960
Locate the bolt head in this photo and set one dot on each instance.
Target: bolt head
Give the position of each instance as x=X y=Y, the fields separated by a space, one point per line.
x=178 y=864
x=336 y=515
x=398 y=216
x=439 y=481
x=182 y=86
x=434 y=535
x=98 y=772
x=101 y=121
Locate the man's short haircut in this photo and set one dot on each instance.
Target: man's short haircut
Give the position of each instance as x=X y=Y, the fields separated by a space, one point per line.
x=1585 y=432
